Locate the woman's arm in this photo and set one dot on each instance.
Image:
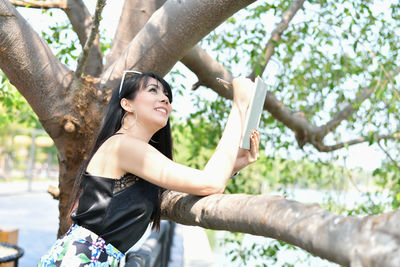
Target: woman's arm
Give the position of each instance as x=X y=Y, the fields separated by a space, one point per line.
x=140 y=158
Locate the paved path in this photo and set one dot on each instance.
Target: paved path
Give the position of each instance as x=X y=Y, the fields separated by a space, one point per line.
x=35 y=214
x=196 y=249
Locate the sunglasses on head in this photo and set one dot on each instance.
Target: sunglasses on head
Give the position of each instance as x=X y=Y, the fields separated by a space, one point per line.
x=123 y=78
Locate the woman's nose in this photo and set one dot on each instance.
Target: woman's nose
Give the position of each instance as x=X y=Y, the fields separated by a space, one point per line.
x=164 y=99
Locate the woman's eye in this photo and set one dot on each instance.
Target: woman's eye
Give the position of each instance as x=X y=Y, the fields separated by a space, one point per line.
x=153 y=90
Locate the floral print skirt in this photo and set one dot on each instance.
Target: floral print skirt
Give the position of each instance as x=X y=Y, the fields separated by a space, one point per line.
x=80 y=247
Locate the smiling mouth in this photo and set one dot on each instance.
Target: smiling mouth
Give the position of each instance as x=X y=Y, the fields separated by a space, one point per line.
x=161 y=110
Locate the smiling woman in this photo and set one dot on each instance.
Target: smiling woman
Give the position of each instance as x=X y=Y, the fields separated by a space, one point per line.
x=118 y=189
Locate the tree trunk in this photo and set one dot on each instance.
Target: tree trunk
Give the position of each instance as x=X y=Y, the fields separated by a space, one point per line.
x=79 y=127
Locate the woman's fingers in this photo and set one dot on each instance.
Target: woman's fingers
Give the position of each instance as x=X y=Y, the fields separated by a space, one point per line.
x=255 y=143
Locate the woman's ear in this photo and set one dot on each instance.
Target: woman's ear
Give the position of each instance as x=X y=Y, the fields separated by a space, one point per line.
x=126 y=105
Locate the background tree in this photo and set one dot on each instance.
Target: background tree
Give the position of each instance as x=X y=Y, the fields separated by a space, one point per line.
x=334 y=73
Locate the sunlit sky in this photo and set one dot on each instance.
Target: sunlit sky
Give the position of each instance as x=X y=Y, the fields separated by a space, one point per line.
x=362 y=156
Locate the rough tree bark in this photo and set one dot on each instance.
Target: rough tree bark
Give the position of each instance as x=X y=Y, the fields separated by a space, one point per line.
x=134 y=16
x=157 y=40
x=349 y=241
x=70 y=109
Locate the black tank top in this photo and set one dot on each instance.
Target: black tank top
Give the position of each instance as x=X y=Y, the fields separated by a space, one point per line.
x=118 y=210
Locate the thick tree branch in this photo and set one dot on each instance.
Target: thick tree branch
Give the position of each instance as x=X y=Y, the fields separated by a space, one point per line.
x=30 y=65
x=168 y=35
x=40 y=4
x=207 y=70
x=80 y=18
x=276 y=34
x=94 y=30
x=349 y=241
x=135 y=14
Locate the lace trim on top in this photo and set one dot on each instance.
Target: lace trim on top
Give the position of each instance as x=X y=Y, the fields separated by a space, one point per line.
x=124 y=182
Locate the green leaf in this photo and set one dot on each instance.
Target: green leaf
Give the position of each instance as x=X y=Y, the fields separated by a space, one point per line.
x=83 y=258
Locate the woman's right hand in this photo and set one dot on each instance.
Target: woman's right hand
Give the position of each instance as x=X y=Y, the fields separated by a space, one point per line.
x=243 y=89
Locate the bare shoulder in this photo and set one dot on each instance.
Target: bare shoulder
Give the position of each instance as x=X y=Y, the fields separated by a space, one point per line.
x=105 y=161
x=127 y=144
x=130 y=149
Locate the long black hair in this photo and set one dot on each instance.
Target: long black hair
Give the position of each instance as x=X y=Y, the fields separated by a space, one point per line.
x=111 y=123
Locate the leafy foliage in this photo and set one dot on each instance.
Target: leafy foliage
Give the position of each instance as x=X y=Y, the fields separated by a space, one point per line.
x=13 y=106
x=65 y=45
x=388 y=176
x=328 y=55
x=58 y=36
x=331 y=52
x=263 y=253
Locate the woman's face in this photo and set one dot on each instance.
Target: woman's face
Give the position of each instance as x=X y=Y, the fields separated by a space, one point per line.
x=152 y=105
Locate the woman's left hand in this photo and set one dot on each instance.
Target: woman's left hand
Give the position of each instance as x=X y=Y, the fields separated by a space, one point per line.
x=246 y=157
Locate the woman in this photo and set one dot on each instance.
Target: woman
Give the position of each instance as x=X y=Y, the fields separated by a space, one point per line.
x=118 y=189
